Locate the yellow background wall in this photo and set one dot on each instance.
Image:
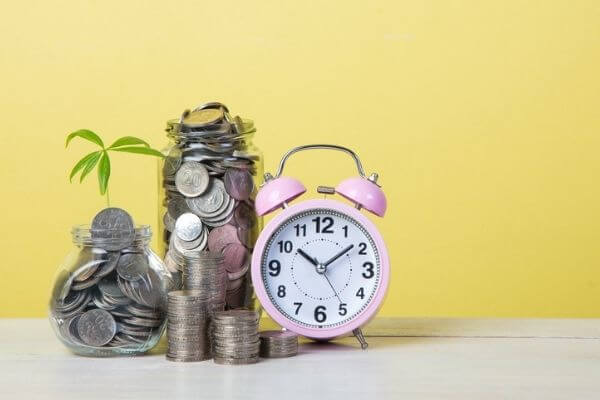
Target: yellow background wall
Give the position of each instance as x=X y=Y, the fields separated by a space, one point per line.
x=482 y=118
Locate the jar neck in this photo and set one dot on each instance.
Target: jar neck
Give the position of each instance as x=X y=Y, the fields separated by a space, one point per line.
x=83 y=236
x=234 y=140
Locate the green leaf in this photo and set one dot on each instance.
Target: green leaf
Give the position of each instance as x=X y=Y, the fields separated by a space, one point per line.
x=83 y=163
x=140 y=150
x=87 y=135
x=103 y=172
x=90 y=166
x=128 y=140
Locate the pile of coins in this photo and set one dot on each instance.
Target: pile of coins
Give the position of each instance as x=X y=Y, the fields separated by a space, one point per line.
x=235 y=337
x=112 y=296
x=278 y=344
x=208 y=174
x=188 y=329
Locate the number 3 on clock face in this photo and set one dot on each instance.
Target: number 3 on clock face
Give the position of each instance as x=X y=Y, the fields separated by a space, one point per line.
x=321 y=268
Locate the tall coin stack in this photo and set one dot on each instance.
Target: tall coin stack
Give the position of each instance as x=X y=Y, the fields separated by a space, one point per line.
x=278 y=344
x=188 y=328
x=209 y=173
x=204 y=271
x=235 y=337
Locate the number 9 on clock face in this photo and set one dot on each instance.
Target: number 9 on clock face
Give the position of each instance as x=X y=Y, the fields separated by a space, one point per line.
x=321 y=268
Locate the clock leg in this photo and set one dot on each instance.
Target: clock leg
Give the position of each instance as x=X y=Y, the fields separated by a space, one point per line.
x=361 y=338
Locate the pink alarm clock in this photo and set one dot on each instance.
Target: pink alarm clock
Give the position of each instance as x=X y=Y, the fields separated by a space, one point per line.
x=320 y=268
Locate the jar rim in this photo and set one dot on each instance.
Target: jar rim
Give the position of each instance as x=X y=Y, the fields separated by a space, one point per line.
x=82 y=233
x=173 y=130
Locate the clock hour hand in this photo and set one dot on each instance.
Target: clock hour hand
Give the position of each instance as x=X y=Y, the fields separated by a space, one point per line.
x=338 y=255
x=312 y=260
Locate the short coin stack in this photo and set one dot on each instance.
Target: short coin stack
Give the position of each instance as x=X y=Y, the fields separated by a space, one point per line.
x=235 y=337
x=187 y=330
x=278 y=344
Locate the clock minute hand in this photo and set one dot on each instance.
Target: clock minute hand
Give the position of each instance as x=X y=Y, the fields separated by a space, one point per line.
x=338 y=255
x=312 y=260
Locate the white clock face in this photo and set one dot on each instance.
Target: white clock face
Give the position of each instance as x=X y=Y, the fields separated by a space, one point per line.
x=321 y=268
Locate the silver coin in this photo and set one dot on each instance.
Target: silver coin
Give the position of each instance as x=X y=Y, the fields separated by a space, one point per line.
x=211 y=201
x=169 y=222
x=132 y=266
x=113 y=228
x=188 y=227
x=177 y=206
x=109 y=287
x=85 y=284
x=110 y=264
x=88 y=261
x=96 y=327
x=172 y=162
x=192 y=179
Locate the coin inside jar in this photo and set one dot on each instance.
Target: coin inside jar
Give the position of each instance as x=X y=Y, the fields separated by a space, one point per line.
x=191 y=179
x=188 y=227
x=203 y=117
x=96 y=327
x=132 y=266
x=238 y=183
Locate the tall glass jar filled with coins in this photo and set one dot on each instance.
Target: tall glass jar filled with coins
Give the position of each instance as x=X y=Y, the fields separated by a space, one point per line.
x=110 y=293
x=212 y=169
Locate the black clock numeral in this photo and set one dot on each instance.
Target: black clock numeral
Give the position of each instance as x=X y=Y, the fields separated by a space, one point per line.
x=285 y=247
x=323 y=225
x=361 y=293
x=345 y=228
x=274 y=267
x=362 y=249
x=343 y=310
x=300 y=229
x=320 y=315
x=281 y=291
x=298 y=305
x=369 y=272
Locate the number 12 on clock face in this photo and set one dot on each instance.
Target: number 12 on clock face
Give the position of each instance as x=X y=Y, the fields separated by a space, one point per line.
x=321 y=268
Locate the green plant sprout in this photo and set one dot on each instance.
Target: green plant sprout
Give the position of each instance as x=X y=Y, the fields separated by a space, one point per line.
x=127 y=144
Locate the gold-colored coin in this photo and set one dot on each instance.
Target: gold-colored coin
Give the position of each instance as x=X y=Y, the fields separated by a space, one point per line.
x=203 y=117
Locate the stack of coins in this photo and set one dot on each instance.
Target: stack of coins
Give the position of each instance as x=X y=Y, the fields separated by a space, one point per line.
x=235 y=337
x=209 y=174
x=112 y=297
x=204 y=271
x=278 y=344
x=187 y=331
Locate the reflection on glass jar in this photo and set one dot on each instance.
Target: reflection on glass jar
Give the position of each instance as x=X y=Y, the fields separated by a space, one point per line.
x=108 y=301
x=212 y=169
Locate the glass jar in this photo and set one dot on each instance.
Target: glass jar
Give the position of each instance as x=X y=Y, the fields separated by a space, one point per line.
x=212 y=169
x=108 y=302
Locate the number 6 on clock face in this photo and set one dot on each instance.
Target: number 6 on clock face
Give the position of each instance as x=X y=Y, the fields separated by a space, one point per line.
x=323 y=267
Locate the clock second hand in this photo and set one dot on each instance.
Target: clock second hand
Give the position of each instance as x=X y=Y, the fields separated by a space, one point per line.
x=332 y=288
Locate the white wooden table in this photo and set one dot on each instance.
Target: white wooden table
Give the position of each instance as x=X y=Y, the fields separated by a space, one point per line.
x=435 y=359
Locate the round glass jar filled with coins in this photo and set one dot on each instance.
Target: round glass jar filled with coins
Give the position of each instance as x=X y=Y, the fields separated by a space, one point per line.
x=110 y=294
x=211 y=170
